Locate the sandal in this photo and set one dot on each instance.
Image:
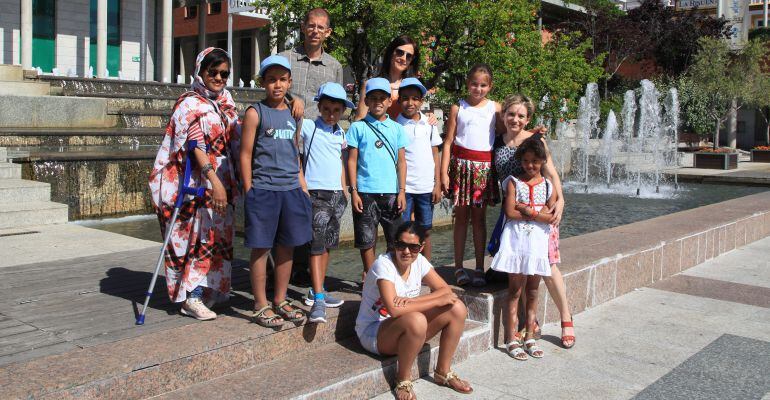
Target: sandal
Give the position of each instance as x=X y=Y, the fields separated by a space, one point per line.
x=515 y=350
x=406 y=386
x=443 y=380
x=479 y=278
x=293 y=315
x=461 y=277
x=531 y=347
x=567 y=338
x=268 y=321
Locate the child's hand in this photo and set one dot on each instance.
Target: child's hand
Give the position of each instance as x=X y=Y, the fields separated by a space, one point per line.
x=436 y=193
x=401 y=201
x=449 y=299
x=445 y=183
x=432 y=120
x=358 y=204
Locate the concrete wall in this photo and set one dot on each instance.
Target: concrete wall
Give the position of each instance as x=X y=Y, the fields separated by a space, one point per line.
x=10 y=31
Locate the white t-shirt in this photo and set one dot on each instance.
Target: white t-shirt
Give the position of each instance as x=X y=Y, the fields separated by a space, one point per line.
x=476 y=126
x=372 y=308
x=420 y=168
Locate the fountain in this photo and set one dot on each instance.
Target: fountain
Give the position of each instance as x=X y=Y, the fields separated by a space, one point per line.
x=627 y=158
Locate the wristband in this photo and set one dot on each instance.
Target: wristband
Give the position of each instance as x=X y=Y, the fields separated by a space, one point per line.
x=351 y=189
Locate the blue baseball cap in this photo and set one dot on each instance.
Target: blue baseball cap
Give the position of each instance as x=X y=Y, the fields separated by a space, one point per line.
x=335 y=91
x=272 y=61
x=413 y=82
x=378 y=84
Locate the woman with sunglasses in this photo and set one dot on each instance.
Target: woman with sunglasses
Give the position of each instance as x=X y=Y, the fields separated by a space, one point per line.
x=201 y=248
x=400 y=60
x=396 y=319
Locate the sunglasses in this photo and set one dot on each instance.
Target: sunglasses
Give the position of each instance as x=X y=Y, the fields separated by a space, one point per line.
x=223 y=74
x=413 y=248
x=402 y=53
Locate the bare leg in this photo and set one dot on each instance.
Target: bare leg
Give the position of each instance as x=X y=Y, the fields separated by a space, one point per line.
x=427 y=247
x=479 y=223
x=318 y=271
x=558 y=292
x=258 y=276
x=515 y=286
x=460 y=233
x=532 y=285
x=450 y=321
x=403 y=336
x=367 y=258
x=283 y=261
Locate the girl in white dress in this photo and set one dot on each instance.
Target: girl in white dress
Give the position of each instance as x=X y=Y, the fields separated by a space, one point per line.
x=524 y=244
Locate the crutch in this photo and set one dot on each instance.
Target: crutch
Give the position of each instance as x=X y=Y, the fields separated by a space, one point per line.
x=184 y=191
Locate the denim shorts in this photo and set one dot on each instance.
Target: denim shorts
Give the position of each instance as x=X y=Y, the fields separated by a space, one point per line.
x=328 y=206
x=422 y=205
x=378 y=209
x=277 y=218
x=368 y=337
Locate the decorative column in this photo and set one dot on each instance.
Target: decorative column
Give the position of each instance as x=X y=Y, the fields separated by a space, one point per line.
x=203 y=12
x=764 y=14
x=256 y=58
x=26 y=34
x=166 y=50
x=101 y=39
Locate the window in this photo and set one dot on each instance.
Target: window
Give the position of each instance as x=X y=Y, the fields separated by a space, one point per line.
x=215 y=8
x=113 y=36
x=760 y=23
x=191 y=12
x=43 y=34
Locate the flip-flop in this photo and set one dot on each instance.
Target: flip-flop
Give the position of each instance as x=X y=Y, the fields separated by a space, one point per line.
x=443 y=380
x=461 y=277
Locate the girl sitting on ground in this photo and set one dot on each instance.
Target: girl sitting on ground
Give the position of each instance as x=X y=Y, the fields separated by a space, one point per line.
x=395 y=319
x=523 y=252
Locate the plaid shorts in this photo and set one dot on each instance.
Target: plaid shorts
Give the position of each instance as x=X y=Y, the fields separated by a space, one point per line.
x=328 y=206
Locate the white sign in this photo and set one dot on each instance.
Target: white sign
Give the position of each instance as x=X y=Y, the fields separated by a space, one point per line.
x=687 y=4
x=246 y=8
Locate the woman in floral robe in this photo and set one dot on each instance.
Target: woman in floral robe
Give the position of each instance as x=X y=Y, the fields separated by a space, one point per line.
x=199 y=254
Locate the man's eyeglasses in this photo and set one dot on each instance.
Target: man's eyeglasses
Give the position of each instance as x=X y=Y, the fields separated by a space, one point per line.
x=317 y=28
x=413 y=247
x=402 y=53
x=223 y=74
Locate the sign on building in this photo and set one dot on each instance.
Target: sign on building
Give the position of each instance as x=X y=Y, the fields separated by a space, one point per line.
x=702 y=4
x=246 y=8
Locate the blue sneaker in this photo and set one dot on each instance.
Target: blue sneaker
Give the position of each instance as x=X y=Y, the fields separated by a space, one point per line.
x=318 y=311
x=331 y=301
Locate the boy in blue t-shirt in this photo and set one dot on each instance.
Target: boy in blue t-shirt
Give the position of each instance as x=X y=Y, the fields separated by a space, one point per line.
x=376 y=171
x=323 y=146
x=277 y=208
x=423 y=179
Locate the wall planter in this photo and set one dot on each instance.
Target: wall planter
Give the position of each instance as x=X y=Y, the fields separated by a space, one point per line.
x=760 y=155
x=715 y=160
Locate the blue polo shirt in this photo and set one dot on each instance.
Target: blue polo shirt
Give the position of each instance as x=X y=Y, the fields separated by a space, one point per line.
x=324 y=166
x=376 y=153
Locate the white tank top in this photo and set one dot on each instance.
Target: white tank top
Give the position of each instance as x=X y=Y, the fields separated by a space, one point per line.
x=476 y=126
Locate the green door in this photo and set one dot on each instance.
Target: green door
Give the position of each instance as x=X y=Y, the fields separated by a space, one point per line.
x=113 y=36
x=44 y=34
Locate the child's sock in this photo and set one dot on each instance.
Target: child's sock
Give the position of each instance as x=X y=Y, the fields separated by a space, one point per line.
x=319 y=296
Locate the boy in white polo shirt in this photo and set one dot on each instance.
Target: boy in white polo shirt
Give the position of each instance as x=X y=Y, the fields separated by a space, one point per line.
x=423 y=183
x=323 y=145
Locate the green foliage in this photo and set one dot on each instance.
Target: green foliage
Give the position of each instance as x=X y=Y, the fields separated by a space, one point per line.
x=762 y=34
x=453 y=36
x=717 y=76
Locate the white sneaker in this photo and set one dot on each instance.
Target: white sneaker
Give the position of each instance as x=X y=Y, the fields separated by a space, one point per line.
x=195 y=308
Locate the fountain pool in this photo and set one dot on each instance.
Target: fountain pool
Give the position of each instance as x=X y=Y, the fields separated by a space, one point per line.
x=585 y=212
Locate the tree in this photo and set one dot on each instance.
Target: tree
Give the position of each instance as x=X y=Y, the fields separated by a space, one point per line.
x=719 y=79
x=454 y=35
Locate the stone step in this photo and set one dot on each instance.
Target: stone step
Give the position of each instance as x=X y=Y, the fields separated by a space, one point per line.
x=10 y=170
x=56 y=138
x=31 y=213
x=13 y=88
x=11 y=73
x=341 y=370
x=22 y=191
